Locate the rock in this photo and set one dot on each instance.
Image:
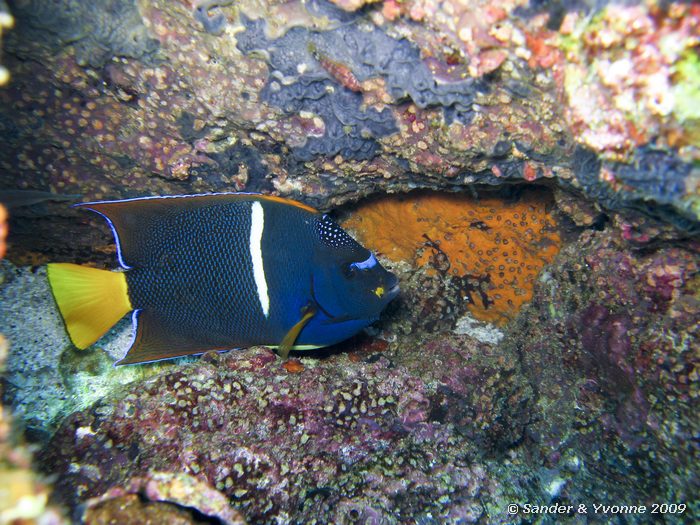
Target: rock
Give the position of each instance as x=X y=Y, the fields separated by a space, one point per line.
x=379 y=437
x=611 y=342
x=169 y=498
x=311 y=101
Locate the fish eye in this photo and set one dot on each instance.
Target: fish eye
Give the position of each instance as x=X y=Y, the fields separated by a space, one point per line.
x=363 y=266
x=349 y=271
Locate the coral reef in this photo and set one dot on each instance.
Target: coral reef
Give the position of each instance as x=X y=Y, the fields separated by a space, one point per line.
x=628 y=77
x=494 y=248
x=611 y=341
x=380 y=438
x=340 y=124
x=312 y=101
x=544 y=349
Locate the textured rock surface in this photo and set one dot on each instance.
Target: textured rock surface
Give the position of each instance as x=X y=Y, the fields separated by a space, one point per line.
x=613 y=340
x=122 y=98
x=588 y=396
x=370 y=437
x=97 y=33
x=157 y=498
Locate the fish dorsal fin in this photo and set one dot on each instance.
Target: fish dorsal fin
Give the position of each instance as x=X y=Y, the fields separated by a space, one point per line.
x=156 y=339
x=132 y=220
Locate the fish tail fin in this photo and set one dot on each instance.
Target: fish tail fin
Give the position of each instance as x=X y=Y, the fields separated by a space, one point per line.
x=90 y=300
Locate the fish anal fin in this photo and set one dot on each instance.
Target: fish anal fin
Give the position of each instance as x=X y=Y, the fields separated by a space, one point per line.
x=288 y=341
x=155 y=341
x=90 y=300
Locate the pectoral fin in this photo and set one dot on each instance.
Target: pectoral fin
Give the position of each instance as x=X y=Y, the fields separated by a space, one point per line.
x=288 y=341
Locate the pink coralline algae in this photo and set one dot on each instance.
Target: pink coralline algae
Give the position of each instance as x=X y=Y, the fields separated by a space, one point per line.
x=139 y=140
x=623 y=77
x=370 y=438
x=614 y=348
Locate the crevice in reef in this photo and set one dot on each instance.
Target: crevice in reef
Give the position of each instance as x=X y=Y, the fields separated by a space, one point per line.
x=470 y=253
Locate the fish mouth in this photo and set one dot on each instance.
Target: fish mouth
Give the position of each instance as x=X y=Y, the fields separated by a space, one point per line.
x=393 y=290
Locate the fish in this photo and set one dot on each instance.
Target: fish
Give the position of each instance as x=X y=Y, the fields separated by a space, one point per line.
x=222 y=271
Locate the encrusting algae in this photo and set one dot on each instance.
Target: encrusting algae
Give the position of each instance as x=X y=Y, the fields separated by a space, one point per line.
x=500 y=244
x=3 y=231
x=23 y=495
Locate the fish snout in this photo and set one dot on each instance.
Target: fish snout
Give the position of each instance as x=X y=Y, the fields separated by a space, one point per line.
x=392 y=287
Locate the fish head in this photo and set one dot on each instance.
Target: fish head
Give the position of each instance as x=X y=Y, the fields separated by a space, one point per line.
x=348 y=281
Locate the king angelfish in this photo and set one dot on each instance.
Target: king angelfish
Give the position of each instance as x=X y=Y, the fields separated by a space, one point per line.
x=223 y=271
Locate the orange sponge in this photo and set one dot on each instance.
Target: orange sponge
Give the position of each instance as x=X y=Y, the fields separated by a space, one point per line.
x=500 y=243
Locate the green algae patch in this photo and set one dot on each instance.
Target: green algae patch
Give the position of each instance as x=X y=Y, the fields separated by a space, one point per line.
x=686 y=109
x=686 y=89
x=90 y=375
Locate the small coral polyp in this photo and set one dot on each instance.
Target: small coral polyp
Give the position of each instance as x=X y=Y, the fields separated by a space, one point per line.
x=501 y=244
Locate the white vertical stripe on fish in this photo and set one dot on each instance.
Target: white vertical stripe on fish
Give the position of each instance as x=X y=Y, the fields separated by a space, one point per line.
x=257 y=224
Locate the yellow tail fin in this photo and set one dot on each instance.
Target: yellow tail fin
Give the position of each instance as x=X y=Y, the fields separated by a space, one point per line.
x=91 y=301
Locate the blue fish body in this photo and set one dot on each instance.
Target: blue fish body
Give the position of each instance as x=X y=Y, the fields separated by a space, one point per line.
x=219 y=271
